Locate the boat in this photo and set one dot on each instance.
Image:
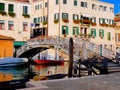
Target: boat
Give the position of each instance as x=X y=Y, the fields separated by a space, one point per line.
x=50 y=77
x=49 y=62
x=8 y=82
x=11 y=61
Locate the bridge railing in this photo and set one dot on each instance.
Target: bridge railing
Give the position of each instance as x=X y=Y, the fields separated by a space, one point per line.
x=62 y=43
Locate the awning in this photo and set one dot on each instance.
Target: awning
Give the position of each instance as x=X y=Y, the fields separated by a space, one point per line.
x=19 y=43
x=86 y=15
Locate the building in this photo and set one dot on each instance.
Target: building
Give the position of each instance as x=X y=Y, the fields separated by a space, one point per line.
x=6 y=46
x=117 y=32
x=15 y=20
x=88 y=19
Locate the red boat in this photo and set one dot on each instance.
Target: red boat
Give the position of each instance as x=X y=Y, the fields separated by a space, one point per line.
x=49 y=62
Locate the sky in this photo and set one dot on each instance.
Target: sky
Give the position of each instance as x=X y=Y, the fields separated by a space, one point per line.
x=116 y=5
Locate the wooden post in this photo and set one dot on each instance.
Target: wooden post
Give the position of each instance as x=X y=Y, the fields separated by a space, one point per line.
x=70 y=58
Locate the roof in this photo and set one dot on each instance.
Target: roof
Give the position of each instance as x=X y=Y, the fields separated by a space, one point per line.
x=5 y=38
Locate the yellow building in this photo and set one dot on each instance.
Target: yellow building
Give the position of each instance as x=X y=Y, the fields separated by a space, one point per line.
x=6 y=46
x=117 y=32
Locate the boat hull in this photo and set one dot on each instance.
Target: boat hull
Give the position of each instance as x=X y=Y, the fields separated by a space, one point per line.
x=48 y=62
x=14 y=84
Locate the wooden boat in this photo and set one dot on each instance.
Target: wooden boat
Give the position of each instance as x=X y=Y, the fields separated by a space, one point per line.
x=7 y=82
x=9 y=61
x=49 y=62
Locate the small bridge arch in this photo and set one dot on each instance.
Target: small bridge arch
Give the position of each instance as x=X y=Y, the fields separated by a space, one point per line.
x=81 y=49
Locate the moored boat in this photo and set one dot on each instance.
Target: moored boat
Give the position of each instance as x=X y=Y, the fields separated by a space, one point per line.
x=49 y=62
x=8 y=82
x=9 y=61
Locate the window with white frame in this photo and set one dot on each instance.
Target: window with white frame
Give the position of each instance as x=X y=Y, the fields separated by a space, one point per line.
x=64 y=15
x=84 y=4
x=10 y=25
x=75 y=17
x=94 y=6
x=25 y=9
x=111 y=9
x=25 y=26
x=2 y=24
x=56 y=16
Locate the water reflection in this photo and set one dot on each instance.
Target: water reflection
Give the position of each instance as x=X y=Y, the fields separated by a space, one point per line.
x=30 y=71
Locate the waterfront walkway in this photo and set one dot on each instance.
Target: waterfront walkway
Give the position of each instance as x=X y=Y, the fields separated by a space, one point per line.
x=100 y=82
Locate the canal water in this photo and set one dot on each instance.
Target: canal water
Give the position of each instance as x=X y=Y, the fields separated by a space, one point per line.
x=32 y=70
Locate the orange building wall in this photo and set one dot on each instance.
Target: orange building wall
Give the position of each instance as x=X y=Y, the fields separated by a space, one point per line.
x=6 y=48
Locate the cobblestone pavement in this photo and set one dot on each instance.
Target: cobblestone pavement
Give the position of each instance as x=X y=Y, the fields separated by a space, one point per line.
x=100 y=82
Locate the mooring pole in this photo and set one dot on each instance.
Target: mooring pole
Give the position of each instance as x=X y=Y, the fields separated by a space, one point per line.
x=70 y=58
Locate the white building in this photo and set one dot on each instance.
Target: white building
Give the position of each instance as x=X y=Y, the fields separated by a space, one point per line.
x=75 y=18
x=15 y=20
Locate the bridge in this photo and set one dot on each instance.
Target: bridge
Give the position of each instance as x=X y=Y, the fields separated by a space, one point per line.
x=82 y=49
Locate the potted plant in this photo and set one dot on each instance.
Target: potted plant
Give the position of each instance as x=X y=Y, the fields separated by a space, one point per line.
x=56 y=21
x=3 y=13
x=45 y=22
x=26 y=15
x=65 y=20
x=12 y=14
x=76 y=21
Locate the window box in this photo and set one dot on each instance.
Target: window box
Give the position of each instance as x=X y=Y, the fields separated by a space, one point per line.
x=3 y=13
x=65 y=20
x=101 y=37
x=85 y=21
x=76 y=21
x=65 y=35
x=103 y=24
x=111 y=26
x=93 y=24
x=45 y=22
x=56 y=21
x=26 y=15
x=12 y=14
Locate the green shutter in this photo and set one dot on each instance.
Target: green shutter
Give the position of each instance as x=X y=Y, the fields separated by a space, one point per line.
x=62 y=29
x=67 y=30
x=10 y=7
x=56 y=1
x=108 y=35
x=94 y=32
x=102 y=33
x=77 y=31
x=2 y=7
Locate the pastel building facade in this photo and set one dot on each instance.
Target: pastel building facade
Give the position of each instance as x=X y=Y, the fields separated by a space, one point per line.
x=15 y=20
x=87 y=19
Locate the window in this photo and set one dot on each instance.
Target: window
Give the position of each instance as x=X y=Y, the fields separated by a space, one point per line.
x=56 y=2
x=64 y=15
x=10 y=25
x=75 y=2
x=46 y=4
x=10 y=8
x=64 y=1
x=44 y=18
x=25 y=26
x=83 y=4
x=35 y=20
x=93 y=32
x=111 y=9
x=108 y=36
x=100 y=7
x=56 y=16
x=101 y=33
x=65 y=30
x=94 y=19
x=40 y=6
x=75 y=17
x=2 y=7
x=104 y=8
x=75 y=31
x=25 y=10
x=94 y=6
x=2 y=24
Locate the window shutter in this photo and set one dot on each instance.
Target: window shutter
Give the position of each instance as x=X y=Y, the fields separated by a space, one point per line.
x=94 y=32
x=103 y=33
x=62 y=29
x=67 y=30
x=2 y=7
x=10 y=7
x=77 y=31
